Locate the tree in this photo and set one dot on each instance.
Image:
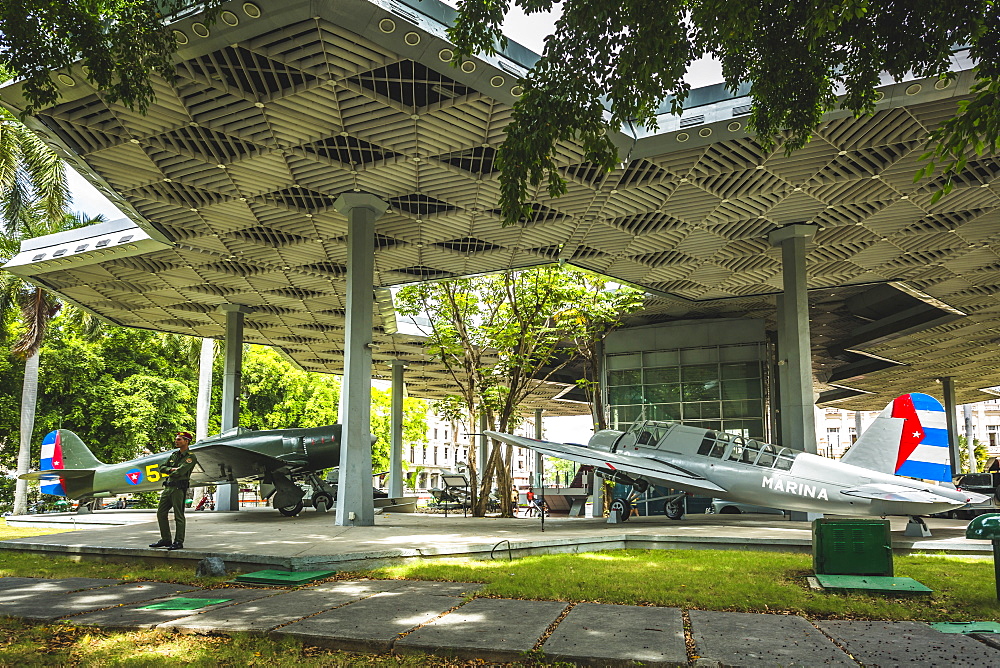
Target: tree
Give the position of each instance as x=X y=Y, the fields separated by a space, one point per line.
x=980 y=449
x=801 y=59
x=414 y=425
x=597 y=311
x=115 y=44
x=37 y=306
x=499 y=337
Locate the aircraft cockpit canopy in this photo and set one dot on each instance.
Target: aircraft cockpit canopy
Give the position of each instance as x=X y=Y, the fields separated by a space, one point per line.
x=650 y=432
x=745 y=450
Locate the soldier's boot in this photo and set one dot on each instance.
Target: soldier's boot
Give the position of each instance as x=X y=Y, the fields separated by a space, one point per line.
x=163 y=542
x=176 y=545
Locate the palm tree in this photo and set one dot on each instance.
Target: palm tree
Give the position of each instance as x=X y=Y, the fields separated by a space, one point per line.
x=37 y=307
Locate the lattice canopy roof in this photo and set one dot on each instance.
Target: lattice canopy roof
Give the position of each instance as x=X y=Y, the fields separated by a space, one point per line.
x=278 y=108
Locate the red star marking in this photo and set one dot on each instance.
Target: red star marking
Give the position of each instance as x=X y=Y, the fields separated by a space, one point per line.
x=134 y=477
x=913 y=433
x=56 y=463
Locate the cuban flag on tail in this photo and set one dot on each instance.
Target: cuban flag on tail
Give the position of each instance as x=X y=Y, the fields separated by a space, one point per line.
x=923 y=444
x=52 y=459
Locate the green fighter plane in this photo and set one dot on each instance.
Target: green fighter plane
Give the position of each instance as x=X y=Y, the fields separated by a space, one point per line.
x=280 y=458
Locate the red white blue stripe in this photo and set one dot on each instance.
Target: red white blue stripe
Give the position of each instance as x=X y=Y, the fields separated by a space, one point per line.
x=52 y=459
x=923 y=446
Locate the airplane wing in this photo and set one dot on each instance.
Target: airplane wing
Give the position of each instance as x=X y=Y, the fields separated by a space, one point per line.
x=881 y=492
x=641 y=465
x=226 y=462
x=56 y=473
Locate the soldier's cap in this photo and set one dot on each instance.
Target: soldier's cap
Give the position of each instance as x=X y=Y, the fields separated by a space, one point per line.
x=186 y=434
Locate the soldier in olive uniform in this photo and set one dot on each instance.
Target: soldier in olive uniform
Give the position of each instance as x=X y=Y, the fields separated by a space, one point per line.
x=176 y=473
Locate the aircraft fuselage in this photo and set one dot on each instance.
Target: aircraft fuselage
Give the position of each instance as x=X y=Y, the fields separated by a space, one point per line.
x=767 y=475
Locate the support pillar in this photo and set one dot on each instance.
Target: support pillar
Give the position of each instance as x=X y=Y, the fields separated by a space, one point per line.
x=970 y=439
x=539 y=460
x=206 y=363
x=396 y=431
x=481 y=449
x=355 y=506
x=227 y=497
x=798 y=420
x=950 y=412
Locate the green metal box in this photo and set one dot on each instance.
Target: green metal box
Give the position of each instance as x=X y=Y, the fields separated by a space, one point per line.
x=852 y=547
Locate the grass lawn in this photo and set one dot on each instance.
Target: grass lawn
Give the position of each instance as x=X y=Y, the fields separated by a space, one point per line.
x=744 y=581
x=24 y=644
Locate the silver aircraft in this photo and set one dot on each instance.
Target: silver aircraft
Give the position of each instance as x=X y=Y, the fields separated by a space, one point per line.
x=909 y=438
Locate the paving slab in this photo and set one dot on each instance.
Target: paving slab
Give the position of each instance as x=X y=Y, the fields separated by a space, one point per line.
x=464 y=589
x=372 y=624
x=745 y=639
x=135 y=617
x=492 y=629
x=282 y=608
x=58 y=604
x=595 y=634
x=12 y=588
x=908 y=643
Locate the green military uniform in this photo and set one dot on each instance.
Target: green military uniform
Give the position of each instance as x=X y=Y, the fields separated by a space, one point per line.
x=177 y=475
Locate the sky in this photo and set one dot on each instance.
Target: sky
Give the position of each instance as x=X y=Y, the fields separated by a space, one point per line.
x=530 y=31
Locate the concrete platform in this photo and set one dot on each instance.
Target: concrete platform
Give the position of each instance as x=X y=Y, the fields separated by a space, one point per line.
x=254 y=539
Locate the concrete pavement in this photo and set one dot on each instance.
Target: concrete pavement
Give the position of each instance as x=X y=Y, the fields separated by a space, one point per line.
x=448 y=620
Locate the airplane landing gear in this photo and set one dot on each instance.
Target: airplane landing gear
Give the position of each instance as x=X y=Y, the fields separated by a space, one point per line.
x=622 y=508
x=322 y=501
x=291 y=511
x=673 y=507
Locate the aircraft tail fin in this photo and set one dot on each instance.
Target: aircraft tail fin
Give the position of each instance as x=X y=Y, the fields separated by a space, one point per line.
x=63 y=450
x=908 y=438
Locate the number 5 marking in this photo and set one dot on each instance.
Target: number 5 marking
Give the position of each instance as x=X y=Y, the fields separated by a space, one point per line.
x=151 y=473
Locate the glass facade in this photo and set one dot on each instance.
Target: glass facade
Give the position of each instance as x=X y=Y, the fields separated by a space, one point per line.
x=717 y=387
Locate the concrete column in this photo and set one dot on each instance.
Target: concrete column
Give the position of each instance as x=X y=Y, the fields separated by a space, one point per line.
x=354 y=494
x=204 y=403
x=396 y=431
x=950 y=408
x=205 y=364
x=797 y=404
x=227 y=497
x=970 y=439
x=539 y=459
x=481 y=449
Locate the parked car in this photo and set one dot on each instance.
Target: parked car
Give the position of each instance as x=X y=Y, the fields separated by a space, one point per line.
x=733 y=508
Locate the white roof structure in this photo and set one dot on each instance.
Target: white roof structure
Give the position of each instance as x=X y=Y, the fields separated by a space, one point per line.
x=279 y=107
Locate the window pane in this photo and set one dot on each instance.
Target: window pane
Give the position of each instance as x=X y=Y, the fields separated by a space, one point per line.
x=670 y=412
x=702 y=372
x=740 y=370
x=741 y=388
x=627 y=394
x=703 y=391
x=627 y=377
x=658 y=394
x=663 y=375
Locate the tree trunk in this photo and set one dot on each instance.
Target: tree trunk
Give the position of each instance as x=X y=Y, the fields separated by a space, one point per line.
x=29 y=400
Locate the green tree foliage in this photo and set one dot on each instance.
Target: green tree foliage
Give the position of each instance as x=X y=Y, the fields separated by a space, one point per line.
x=276 y=395
x=980 y=449
x=414 y=425
x=500 y=337
x=121 y=392
x=801 y=59
x=114 y=44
